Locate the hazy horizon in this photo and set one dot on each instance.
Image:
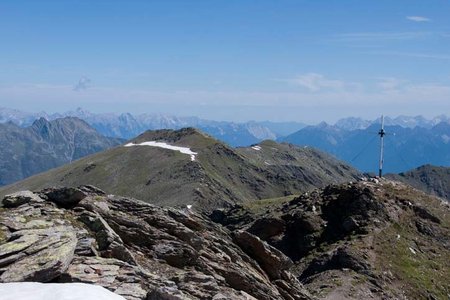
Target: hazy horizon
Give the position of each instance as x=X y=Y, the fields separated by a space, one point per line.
x=304 y=61
x=117 y=113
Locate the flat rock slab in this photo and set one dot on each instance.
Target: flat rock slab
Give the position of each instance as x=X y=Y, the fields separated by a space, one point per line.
x=47 y=254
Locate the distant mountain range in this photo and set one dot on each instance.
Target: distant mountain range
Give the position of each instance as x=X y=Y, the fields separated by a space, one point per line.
x=411 y=141
x=405 y=147
x=127 y=125
x=211 y=174
x=25 y=151
x=353 y=123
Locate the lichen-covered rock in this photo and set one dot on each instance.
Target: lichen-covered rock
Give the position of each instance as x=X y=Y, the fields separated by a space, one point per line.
x=20 y=198
x=40 y=254
x=137 y=250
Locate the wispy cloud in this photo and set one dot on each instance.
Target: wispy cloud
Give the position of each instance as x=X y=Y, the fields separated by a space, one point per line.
x=412 y=54
x=408 y=98
x=315 y=82
x=83 y=84
x=390 y=83
x=381 y=36
x=418 y=19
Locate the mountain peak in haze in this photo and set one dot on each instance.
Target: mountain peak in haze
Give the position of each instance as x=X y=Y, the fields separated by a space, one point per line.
x=45 y=145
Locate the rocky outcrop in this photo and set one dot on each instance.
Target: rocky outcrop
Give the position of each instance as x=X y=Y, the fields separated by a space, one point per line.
x=135 y=249
x=19 y=198
x=37 y=254
x=373 y=239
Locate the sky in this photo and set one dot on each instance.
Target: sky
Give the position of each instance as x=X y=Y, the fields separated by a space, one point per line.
x=235 y=60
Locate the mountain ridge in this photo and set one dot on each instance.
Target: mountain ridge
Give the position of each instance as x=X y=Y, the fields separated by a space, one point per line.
x=434 y=180
x=218 y=176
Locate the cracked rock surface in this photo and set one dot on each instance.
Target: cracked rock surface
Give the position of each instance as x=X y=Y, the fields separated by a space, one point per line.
x=136 y=250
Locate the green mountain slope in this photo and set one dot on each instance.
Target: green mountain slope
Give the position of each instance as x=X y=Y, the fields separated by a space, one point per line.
x=219 y=175
x=434 y=180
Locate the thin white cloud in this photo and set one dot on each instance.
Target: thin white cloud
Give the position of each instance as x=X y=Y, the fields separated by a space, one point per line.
x=418 y=19
x=412 y=54
x=382 y=36
x=401 y=98
x=315 y=82
x=390 y=83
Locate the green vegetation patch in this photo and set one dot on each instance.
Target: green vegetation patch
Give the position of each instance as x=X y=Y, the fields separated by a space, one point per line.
x=260 y=206
x=423 y=269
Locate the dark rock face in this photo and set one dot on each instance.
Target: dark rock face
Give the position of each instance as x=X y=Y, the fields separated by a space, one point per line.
x=137 y=250
x=64 y=197
x=341 y=258
x=348 y=210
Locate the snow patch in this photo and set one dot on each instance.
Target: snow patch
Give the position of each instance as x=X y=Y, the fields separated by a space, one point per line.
x=412 y=251
x=257 y=148
x=183 y=150
x=55 y=291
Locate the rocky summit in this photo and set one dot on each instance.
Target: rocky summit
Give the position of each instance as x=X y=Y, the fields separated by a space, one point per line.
x=375 y=239
x=135 y=249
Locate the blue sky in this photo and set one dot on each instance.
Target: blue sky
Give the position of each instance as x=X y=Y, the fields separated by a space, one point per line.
x=228 y=60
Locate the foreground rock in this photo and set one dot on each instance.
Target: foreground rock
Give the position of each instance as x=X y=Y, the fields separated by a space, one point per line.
x=136 y=250
x=375 y=239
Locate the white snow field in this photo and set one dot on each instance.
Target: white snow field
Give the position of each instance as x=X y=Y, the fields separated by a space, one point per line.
x=257 y=148
x=183 y=150
x=55 y=291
